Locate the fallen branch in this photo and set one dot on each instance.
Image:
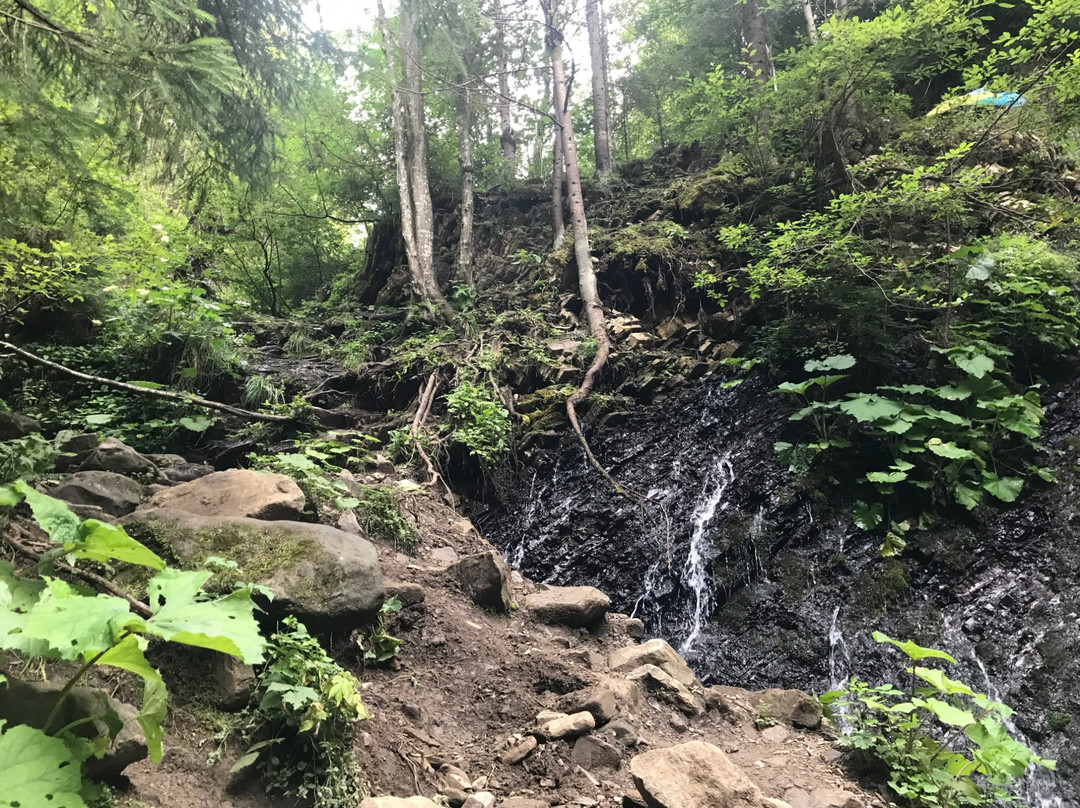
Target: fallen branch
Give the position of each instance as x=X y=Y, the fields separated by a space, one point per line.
x=137 y=606
x=170 y=395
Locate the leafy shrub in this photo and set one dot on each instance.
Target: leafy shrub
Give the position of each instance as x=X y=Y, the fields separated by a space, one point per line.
x=259 y=390
x=380 y=516
x=28 y=457
x=309 y=706
x=46 y=618
x=954 y=442
x=312 y=465
x=943 y=744
x=478 y=422
x=379 y=646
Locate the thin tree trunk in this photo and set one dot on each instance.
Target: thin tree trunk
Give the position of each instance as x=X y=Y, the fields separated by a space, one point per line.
x=811 y=24
x=410 y=163
x=755 y=41
x=601 y=120
x=557 y=222
x=185 y=398
x=466 y=270
x=587 y=288
x=507 y=138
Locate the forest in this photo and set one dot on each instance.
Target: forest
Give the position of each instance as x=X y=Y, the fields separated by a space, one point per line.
x=662 y=403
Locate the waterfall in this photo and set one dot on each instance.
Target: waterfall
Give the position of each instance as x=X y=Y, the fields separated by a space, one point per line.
x=695 y=572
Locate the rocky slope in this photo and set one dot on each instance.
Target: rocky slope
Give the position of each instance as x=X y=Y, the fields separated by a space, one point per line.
x=504 y=693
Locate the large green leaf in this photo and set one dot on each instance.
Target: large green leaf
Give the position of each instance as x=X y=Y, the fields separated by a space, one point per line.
x=867 y=517
x=837 y=362
x=54 y=516
x=940 y=681
x=182 y=614
x=948 y=450
x=75 y=624
x=101 y=542
x=128 y=654
x=1007 y=489
x=915 y=652
x=37 y=771
x=946 y=713
x=869 y=407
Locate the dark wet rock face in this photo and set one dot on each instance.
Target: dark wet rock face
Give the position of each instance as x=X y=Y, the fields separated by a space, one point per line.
x=761 y=581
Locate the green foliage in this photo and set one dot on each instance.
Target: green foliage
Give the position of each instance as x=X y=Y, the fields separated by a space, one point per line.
x=379 y=646
x=42 y=616
x=478 y=422
x=379 y=514
x=29 y=457
x=954 y=442
x=259 y=390
x=316 y=464
x=309 y=707
x=943 y=744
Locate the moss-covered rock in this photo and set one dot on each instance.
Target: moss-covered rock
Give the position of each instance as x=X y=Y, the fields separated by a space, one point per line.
x=326 y=577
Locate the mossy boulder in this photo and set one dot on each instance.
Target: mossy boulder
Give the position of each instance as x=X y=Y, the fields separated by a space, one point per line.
x=328 y=578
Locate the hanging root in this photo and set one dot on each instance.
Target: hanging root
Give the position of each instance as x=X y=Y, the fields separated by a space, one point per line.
x=423 y=410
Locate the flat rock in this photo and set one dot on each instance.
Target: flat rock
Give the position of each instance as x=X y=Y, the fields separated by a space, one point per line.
x=600 y=700
x=15 y=425
x=519 y=751
x=568 y=726
x=30 y=703
x=792 y=707
x=836 y=798
x=654 y=652
x=776 y=734
x=113 y=493
x=668 y=687
x=573 y=606
x=397 y=802
x=485 y=580
x=591 y=752
x=114 y=455
x=692 y=775
x=481 y=799
x=523 y=802
x=236 y=492
x=621 y=732
x=174 y=469
x=231 y=682
x=327 y=578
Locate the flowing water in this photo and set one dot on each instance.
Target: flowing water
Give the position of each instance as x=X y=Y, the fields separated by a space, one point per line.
x=760 y=583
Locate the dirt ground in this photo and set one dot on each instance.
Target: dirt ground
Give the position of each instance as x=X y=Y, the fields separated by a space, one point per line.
x=467 y=682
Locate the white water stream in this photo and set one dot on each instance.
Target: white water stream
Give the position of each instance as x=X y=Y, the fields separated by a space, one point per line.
x=695 y=571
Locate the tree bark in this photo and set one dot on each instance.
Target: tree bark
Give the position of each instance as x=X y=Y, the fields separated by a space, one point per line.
x=587 y=287
x=558 y=225
x=410 y=163
x=811 y=24
x=466 y=270
x=598 y=52
x=507 y=138
x=755 y=41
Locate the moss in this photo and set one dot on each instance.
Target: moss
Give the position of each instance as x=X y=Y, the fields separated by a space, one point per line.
x=795 y=575
x=880 y=587
x=1059 y=721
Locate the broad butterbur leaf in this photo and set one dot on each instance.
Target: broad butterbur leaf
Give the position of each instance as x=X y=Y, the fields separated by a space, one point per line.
x=37 y=771
x=1007 y=489
x=914 y=651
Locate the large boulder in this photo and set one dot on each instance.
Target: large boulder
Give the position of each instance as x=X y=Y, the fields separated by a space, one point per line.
x=15 y=425
x=324 y=576
x=654 y=652
x=485 y=580
x=113 y=493
x=692 y=775
x=792 y=707
x=30 y=703
x=113 y=455
x=235 y=493
x=574 y=606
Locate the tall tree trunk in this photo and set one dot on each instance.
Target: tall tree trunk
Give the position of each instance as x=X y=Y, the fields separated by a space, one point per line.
x=558 y=225
x=410 y=163
x=466 y=270
x=594 y=18
x=755 y=42
x=590 y=297
x=811 y=24
x=507 y=138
